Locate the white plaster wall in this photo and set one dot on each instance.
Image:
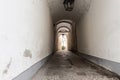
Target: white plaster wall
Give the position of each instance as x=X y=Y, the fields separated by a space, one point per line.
x=26 y=35
x=98 y=33
x=58 y=12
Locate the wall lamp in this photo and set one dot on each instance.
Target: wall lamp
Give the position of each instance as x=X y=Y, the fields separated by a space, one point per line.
x=68 y=5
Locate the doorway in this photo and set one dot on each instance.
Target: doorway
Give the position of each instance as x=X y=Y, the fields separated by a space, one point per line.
x=63 y=42
x=64 y=35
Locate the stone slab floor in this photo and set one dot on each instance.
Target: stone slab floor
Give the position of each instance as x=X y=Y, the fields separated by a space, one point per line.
x=68 y=66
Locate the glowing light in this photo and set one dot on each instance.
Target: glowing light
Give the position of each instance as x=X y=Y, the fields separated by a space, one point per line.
x=63 y=40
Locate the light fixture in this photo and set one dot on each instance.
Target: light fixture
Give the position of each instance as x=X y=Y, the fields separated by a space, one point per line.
x=68 y=5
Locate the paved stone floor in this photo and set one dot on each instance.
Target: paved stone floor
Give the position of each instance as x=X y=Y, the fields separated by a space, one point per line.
x=67 y=66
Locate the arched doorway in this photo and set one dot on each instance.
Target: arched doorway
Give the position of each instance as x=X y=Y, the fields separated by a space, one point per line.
x=64 y=35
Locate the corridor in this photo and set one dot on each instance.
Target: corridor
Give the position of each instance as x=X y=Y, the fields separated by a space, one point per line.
x=32 y=30
x=68 y=66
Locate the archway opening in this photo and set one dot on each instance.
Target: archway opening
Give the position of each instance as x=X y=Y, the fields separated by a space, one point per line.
x=64 y=35
x=63 y=42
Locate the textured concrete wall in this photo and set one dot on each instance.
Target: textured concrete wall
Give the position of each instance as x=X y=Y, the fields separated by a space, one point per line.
x=99 y=31
x=26 y=35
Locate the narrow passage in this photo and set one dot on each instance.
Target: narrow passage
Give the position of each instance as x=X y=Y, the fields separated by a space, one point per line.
x=68 y=66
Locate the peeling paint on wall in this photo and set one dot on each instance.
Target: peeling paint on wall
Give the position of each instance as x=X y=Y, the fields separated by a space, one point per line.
x=7 y=67
x=5 y=71
x=27 y=53
x=30 y=32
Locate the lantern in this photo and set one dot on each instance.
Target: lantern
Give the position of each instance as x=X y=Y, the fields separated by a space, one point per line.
x=68 y=5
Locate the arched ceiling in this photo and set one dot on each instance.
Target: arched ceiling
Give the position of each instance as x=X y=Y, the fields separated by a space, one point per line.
x=63 y=29
x=63 y=25
x=58 y=12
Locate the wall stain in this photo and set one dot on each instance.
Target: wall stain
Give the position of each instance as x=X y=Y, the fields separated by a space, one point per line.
x=5 y=71
x=7 y=67
x=27 y=53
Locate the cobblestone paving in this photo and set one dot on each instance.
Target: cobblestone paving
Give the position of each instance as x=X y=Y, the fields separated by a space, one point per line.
x=67 y=66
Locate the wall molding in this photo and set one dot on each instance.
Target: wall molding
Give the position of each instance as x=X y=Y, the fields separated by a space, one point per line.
x=30 y=72
x=110 y=66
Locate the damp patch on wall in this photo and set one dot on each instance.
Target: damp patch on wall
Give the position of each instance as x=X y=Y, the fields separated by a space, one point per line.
x=27 y=53
x=7 y=67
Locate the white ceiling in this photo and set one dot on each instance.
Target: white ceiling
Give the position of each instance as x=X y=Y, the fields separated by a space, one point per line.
x=58 y=12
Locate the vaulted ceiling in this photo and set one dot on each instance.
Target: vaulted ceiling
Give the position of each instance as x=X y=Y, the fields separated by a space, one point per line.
x=58 y=12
